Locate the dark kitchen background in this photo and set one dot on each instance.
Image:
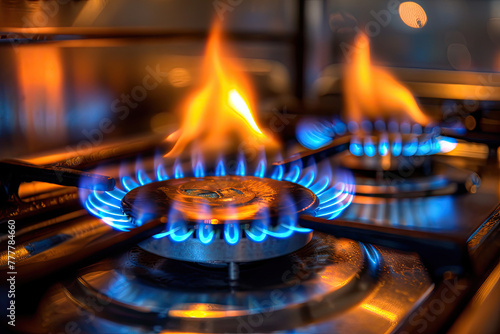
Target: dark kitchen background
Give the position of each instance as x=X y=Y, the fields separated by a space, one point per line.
x=73 y=71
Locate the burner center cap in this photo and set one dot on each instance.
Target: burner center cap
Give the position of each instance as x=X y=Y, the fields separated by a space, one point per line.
x=219 y=199
x=213 y=192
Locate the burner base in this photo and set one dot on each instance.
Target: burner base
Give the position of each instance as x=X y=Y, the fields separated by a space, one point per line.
x=325 y=287
x=219 y=251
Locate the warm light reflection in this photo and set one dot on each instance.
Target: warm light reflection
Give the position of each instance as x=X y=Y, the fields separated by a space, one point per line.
x=204 y=310
x=179 y=77
x=219 y=114
x=41 y=86
x=412 y=14
x=373 y=93
x=380 y=312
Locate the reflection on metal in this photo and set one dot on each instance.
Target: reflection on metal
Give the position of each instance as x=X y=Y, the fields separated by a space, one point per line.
x=203 y=310
x=427 y=213
x=344 y=278
x=89 y=12
x=482 y=312
x=412 y=14
x=380 y=312
x=179 y=77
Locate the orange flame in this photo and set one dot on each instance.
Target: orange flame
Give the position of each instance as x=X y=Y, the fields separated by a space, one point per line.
x=373 y=93
x=222 y=109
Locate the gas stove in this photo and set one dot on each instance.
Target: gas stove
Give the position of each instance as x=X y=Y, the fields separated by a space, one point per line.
x=300 y=243
x=341 y=177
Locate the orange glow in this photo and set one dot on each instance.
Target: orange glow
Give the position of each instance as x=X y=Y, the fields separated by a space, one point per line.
x=179 y=77
x=204 y=310
x=41 y=86
x=193 y=314
x=372 y=92
x=412 y=14
x=380 y=312
x=221 y=110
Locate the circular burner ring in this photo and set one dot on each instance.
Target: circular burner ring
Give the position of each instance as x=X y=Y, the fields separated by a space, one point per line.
x=245 y=217
x=219 y=200
x=219 y=251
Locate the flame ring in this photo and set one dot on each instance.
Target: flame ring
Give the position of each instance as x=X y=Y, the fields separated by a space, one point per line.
x=333 y=198
x=396 y=139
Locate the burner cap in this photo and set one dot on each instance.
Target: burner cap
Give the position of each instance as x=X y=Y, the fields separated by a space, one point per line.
x=219 y=199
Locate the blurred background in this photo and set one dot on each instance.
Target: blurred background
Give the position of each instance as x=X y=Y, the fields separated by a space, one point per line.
x=78 y=74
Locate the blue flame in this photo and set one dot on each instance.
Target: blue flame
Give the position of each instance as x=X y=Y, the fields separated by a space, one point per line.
x=410 y=148
x=167 y=233
x=199 y=171
x=355 y=147
x=257 y=233
x=206 y=233
x=336 y=199
x=278 y=173
x=128 y=183
x=397 y=145
x=369 y=147
x=294 y=173
x=383 y=145
x=142 y=177
x=261 y=167
x=220 y=170
x=308 y=178
x=339 y=127
x=425 y=147
x=241 y=167
x=321 y=185
x=178 y=173
x=232 y=233
x=181 y=234
x=315 y=134
x=334 y=191
x=281 y=231
x=446 y=144
x=161 y=174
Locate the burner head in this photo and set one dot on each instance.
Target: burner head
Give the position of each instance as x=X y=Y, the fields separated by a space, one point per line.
x=382 y=139
x=219 y=199
x=224 y=218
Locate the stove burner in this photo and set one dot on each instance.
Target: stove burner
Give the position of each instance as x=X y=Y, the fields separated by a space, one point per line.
x=225 y=218
x=220 y=251
x=377 y=139
x=326 y=271
x=335 y=192
x=300 y=291
x=219 y=199
x=228 y=206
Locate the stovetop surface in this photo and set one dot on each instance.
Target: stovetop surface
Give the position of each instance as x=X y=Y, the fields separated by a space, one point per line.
x=373 y=288
x=383 y=258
